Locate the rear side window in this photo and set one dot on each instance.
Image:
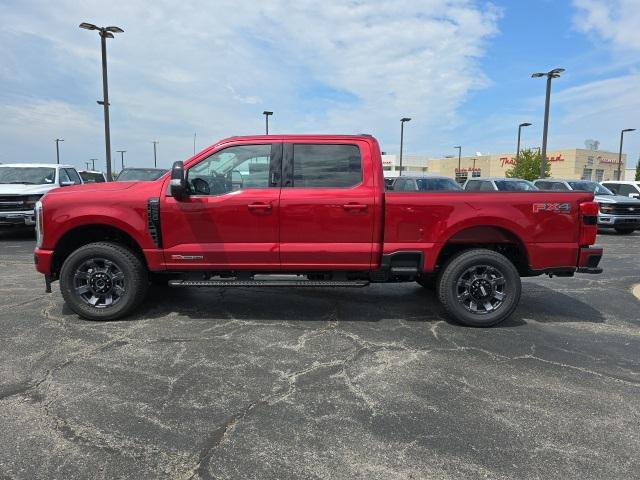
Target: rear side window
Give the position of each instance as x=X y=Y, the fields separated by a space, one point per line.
x=329 y=166
x=561 y=187
x=73 y=175
x=486 y=187
x=472 y=185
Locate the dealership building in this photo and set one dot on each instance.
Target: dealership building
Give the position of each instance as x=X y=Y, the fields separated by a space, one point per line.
x=596 y=165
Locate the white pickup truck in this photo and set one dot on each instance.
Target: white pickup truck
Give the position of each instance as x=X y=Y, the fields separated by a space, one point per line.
x=23 y=184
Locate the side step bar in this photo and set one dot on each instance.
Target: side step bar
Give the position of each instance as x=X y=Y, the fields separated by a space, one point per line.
x=266 y=283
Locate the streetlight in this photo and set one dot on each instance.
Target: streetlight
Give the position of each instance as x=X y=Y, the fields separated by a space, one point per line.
x=155 y=163
x=104 y=32
x=58 y=140
x=121 y=152
x=87 y=164
x=551 y=74
x=93 y=163
x=519 y=129
x=266 y=119
x=459 y=147
x=620 y=153
x=402 y=120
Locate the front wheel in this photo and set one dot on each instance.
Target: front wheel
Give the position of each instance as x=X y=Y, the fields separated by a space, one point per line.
x=103 y=281
x=479 y=288
x=624 y=230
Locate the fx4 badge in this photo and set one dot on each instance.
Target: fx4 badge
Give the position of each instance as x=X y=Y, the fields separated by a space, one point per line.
x=552 y=207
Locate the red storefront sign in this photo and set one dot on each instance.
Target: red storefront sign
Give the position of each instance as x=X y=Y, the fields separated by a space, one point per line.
x=512 y=161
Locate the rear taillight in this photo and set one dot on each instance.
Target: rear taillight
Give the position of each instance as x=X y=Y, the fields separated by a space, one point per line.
x=588 y=223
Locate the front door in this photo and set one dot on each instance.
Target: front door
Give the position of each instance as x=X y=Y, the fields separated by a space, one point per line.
x=327 y=206
x=230 y=218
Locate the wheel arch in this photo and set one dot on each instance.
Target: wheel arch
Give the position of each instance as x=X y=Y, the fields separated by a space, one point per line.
x=85 y=234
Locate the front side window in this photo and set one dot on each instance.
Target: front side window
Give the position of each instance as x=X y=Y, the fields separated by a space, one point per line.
x=27 y=175
x=437 y=184
x=64 y=177
x=328 y=166
x=234 y=168
x=515 y=185
x=473 y=185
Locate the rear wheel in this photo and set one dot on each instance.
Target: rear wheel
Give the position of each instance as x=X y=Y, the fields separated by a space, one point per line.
x=103 y=281
x=624 y=230
x=479 y=288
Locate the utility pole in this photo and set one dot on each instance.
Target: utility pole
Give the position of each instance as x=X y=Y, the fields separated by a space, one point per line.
x=266 y=120
x=402 y=120
x=622 y=132
x=155 y=161
x=519 y=130
x=194 y=143
x=459 y=147
x=121 y=152
x=104 y=32
x=58 y=140
x=555 y=73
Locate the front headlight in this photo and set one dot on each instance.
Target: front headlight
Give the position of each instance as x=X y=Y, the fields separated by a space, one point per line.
x=606 y=208
x=39 y=224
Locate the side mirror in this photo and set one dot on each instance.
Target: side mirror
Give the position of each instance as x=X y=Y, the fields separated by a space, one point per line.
x=178 y=183
x=634 y=195
x=67 y=183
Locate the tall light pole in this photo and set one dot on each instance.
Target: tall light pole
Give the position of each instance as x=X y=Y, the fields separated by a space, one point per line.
x=93 y=163
x=155 y=161
x=104 y=32
x=402 y=120
x=58 y=140
x=551 y=74
x=121 y=152
x=620 y=152
x=266 y=120
x=519 y=129
x=87 y=164
x=194 y=143
x=459 y=147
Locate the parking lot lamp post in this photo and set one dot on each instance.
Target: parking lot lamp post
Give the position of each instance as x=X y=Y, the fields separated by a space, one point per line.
x=155 y=160
x=121 y=152
x=104 y=32
x=58 y=140
x=93 y=163
x=620 y=152
x=266 y=120
x=551 y=74
x=459 y=147
x=87 y=164
x=519 y=130
x=402 y=120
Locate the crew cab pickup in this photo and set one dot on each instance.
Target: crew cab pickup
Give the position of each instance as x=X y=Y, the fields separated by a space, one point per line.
x=305 y=211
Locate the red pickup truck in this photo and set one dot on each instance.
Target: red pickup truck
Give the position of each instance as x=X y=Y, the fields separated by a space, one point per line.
x=305 y=211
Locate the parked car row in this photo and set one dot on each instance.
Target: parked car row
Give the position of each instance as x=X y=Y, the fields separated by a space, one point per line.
x=23 y=184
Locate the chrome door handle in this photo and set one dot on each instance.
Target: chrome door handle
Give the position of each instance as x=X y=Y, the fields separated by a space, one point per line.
x=259 y=206
x=354 y=206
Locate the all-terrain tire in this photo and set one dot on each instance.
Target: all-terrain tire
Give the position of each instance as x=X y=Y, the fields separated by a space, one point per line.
x=88 y=272
x=484 y=272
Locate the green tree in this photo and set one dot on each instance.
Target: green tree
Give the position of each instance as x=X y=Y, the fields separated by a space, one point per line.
x=638 y=170
x=528 y=166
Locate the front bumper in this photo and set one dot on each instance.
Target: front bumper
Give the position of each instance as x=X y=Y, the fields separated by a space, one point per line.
x=589 y=259
x=43 y=260
x=18 y=218
x=606 y=220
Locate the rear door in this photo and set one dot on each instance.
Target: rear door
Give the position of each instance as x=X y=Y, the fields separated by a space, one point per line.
x=327 y=206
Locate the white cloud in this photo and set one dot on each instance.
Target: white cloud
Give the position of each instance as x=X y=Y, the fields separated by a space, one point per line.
x=616 y=21
x=213 y=67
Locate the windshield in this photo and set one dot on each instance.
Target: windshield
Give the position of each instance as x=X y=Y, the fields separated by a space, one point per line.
x=515 y=185
x=429 y=184
x=28 y=175
x=138 y=174
x=592 y=187
x=91 y=177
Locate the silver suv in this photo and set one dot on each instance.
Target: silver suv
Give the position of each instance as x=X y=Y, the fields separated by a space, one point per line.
x=616 y=211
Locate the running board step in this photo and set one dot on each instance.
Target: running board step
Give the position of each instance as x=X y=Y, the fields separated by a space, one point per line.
x=266 y=283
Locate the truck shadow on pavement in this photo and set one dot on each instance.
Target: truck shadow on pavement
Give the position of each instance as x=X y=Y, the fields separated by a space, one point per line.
x=374 y=304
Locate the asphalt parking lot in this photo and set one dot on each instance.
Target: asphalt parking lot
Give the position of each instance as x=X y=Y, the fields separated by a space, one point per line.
x=322 y=384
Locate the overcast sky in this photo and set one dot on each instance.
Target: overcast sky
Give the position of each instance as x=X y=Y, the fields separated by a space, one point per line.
x=460 y=68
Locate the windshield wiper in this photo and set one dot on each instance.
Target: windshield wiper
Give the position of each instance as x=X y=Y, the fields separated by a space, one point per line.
x=22 y=183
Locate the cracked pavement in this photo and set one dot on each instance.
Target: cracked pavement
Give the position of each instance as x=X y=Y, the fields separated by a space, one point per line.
x=371 y=383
